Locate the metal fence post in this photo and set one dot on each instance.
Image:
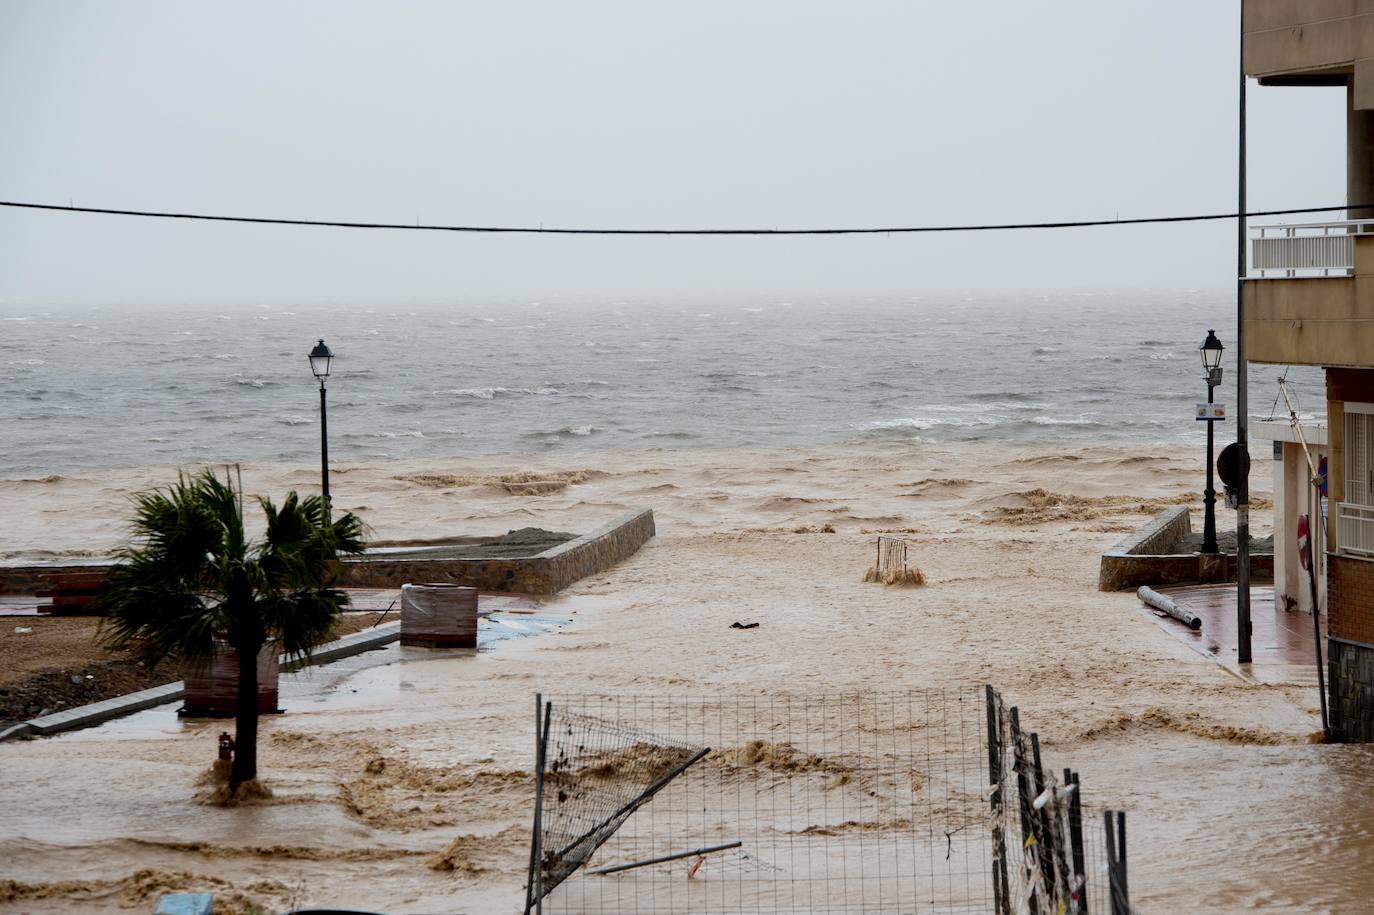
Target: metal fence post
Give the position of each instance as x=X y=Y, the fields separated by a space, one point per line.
x=1080 y=876
x=534 y=831
x=1116 y=862
x=1049 y=852
x=534 y=886
x=1000 y=891
x=1026 y=798
x=1121 y=850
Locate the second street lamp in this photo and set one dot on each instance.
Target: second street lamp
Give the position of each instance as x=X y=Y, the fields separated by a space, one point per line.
x=1210 y=349
x=320 y=359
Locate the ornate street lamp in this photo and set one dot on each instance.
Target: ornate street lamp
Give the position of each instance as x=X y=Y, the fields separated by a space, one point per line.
x=320 y=359
x=1211 y=360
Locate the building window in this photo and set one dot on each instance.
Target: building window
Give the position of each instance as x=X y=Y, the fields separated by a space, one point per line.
x=1355 y=530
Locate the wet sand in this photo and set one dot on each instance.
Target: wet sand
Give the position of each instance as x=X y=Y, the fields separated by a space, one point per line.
x=413 y=793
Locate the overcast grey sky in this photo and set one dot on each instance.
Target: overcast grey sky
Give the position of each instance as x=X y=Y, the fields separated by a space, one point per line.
x=631 y=114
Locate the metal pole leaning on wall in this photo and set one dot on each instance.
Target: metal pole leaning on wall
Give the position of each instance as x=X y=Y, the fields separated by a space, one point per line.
x=1001 y=894
x=1316 y=547
x=1312 y=560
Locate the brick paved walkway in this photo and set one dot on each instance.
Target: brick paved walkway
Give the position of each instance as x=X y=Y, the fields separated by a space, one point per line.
x=1279 y=637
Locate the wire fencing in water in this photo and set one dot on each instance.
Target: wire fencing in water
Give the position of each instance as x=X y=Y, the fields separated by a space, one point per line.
x=917 y=801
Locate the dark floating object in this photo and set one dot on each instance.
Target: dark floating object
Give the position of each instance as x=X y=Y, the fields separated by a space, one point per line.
x=738 y=625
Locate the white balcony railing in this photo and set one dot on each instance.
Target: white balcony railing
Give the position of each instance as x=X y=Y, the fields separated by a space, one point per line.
x=1306 y=249
x=1355 y=528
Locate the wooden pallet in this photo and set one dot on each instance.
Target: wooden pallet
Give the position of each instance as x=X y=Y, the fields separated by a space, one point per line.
x=71 y=593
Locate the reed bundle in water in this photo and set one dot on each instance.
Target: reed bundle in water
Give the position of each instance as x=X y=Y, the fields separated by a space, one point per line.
x=891 y=567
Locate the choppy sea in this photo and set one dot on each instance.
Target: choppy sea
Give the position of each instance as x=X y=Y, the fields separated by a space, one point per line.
x=107 y=386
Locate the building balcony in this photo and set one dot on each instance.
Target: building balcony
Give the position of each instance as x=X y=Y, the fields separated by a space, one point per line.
x=1309 y=298
x=1355 y=529
x=1307 y=42
x=1306 y=249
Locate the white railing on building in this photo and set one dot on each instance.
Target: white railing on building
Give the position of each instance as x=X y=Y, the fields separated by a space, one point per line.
x=1305 y=249
x=1355 y=528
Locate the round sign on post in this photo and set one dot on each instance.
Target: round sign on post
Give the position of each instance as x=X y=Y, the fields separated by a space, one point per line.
x=1304 y=543
x=1232 y=465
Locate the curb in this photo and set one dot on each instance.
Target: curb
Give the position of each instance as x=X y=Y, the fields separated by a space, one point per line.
x=18 y=730
x=84 y=716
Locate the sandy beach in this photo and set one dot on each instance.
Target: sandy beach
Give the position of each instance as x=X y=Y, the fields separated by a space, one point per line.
x=411 y=790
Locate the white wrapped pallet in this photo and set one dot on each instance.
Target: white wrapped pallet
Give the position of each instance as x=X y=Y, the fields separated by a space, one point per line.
x=439 y=615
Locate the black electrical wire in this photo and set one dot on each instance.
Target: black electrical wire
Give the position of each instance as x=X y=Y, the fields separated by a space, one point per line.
x=892 y=230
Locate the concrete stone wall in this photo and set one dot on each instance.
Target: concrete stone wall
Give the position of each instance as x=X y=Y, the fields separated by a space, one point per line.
x=1351 y=668
x=544 y=573
x=1309 y=320
x=1169 y=527
x=1306 y=37
x=28 y=579
x=1141 y=559
x=1125 y=566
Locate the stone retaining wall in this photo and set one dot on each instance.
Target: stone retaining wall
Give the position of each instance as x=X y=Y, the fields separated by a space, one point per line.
x=1351 y=667
x=543 y=573
x=1140 y=558
x=29 y=579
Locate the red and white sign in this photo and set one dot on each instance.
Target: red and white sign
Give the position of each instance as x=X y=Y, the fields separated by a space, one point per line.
x=1304 y=543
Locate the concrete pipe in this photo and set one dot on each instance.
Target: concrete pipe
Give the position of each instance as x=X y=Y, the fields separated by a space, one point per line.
x=1154 y=599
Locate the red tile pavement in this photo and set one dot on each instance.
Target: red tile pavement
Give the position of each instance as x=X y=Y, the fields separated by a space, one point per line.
x=1276 y=634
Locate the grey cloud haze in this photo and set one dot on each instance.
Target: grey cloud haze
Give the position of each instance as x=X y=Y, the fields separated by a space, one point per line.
x=630 y=114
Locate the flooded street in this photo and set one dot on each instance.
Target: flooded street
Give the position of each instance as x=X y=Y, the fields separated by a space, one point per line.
x=401 y=781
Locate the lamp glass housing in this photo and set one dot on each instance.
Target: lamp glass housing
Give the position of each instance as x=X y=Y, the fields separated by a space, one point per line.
x=320 y=359
x=1211 y=350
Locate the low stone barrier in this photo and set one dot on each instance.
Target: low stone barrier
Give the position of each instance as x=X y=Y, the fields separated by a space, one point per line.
x=1140 y=559
x=543 y=573
x=34 y=578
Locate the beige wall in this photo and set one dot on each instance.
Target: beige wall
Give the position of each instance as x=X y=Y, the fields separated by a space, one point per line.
x=1307 y=37
x=1316 y=320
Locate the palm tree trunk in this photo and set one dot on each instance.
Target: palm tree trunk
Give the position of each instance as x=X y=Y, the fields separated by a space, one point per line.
x=245 y=766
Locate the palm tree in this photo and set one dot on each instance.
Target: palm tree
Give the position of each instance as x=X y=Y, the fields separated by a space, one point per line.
x=192 y=578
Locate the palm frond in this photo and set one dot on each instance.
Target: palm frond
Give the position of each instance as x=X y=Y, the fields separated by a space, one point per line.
x=190 y=576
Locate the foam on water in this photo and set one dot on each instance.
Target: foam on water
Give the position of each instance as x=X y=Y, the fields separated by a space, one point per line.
x=154 y=386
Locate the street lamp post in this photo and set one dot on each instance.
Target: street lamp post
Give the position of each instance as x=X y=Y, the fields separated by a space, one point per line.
x=320 y=359
x=1211 y=360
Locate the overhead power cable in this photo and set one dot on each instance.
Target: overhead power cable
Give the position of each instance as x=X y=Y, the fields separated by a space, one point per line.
x=528 y=230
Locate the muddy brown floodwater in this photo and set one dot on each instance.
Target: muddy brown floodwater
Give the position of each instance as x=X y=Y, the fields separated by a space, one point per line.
x=406 y=786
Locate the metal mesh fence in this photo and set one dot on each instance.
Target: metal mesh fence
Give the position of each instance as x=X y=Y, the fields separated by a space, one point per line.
x=919 y=801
